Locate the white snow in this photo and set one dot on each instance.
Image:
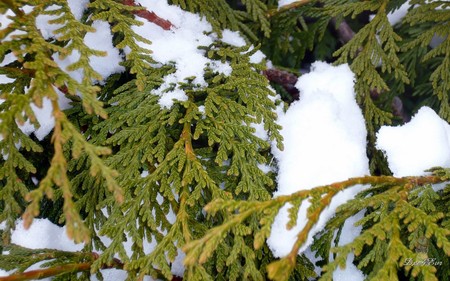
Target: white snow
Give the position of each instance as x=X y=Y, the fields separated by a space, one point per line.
x=257 y=57
x=168 y=92
x=221 y=67
x=178 y=46
x=77 y=7
x=42 y=22
x=422 y=143
x=282 y=3
x=105 y=66
x=396 y=16
x=177 y=265
x=44 y=116
x=324 y=133
x=43 y=234
x=3 y=273
x=9 y=58
x=266 y=168
x=100 y=40
x=45 y=119
x=348 y=234
x=324 y=142
x=233 y=38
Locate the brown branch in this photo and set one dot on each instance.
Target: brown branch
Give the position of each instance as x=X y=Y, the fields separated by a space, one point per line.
x=60 y=269
x=286 y=79
x=398 y=110
x=70 y=268
x=344 y=31
x=47 y=272
x=409 y=181
x=150 y=16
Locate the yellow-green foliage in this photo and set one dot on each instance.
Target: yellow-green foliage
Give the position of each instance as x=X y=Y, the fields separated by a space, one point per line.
x=188 y=178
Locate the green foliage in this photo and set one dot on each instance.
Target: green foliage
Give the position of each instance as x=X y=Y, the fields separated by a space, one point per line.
x=34 y=60
x=119 y=16
x=400 y=225
x=186 y=177
x=435 y=16
x=175 y=146
x=294 y=32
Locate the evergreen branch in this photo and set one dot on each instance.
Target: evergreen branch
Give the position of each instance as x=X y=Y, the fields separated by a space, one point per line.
x=257 y=10
x=57 y=175
x=150 y=16
x=294 y=5
x=47 y=272
x=12 y=5
x=383 y=240
x=215 y=234
x=200 y=250
x=120 y=16
x=345 y=34
x=290 y=261
x=30 y=73
x=186 y=136
x=60 y=269
x=409 y=182
x=43 y=76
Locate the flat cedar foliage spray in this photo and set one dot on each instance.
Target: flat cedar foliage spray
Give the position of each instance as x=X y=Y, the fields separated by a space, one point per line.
x=123 y=169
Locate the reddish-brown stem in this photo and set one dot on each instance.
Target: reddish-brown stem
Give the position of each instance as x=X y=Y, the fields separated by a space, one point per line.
x=150 y=16
x=286 y=79
x=60 y=269
x=67 y=268
x=47 y=272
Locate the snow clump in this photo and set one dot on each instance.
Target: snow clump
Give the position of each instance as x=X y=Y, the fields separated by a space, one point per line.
x=324 y=142
x=421 y=144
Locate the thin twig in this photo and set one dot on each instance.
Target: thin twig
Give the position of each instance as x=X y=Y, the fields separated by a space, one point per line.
x=288 y=7
x=150 y=16
x=344 y=31
x=48 y=272
x=61 y=269
x=412 y=181
x=286 y=79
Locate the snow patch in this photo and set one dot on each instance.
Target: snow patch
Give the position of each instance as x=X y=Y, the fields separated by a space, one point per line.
x=324 y=142
x=233 y=38
x=43 y=234
x=421 y=144
x=282 y=3
x=396 y=16
x=100 y=40
x=348 y=234
x=44 y=117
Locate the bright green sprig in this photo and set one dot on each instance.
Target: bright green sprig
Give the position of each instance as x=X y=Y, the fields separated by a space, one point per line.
x=435 y=14
x=122 y=20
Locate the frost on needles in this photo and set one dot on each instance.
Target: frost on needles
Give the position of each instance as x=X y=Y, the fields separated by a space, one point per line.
x=141 y=139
